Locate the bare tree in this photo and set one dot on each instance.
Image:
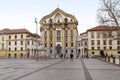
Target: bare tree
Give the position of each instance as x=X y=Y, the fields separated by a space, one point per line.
x=109 y=12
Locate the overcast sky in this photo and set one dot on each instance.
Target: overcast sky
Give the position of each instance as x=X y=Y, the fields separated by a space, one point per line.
x=15 y=14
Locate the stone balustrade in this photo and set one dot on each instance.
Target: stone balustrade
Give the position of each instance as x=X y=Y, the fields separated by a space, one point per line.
x=115 y=59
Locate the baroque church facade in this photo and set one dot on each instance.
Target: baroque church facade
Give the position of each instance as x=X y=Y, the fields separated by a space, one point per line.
x=59 y=33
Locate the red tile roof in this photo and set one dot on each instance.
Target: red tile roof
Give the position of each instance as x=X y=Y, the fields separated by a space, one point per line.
x=103 y=28
x=33 y=35
x=4 y=30
x=14 y=31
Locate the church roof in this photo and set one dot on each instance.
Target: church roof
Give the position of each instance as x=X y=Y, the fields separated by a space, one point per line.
x=55 y=12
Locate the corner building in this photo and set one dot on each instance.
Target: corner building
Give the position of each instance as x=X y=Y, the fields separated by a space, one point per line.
x=59 y=33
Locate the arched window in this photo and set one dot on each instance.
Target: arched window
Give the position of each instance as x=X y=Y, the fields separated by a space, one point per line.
x=50 y=20
x=58 y=18
x=45 y=21
x=65 y=20
x=58 y=21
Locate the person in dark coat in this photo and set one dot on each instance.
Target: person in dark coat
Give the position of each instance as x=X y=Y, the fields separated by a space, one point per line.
x=71 y=57
x=102 y=55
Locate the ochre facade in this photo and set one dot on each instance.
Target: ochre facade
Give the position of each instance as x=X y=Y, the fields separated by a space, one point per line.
x=59 y=33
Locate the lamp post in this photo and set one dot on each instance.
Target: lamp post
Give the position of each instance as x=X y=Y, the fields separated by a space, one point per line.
x=36 y=39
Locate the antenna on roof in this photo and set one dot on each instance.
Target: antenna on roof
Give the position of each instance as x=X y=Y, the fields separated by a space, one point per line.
x=74 y=12
x=58 y=4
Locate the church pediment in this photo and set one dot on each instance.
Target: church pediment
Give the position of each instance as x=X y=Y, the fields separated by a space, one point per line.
x=58 y=16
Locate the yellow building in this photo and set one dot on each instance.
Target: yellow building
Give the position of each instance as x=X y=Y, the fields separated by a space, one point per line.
x=3 y=47
x=18 y=43
x=59 y=33
x=99 y=39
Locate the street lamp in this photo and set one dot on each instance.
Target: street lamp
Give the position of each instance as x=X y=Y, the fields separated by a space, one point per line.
x=36 y=38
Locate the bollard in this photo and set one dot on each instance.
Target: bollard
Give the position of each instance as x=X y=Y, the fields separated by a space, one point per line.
x=119 y=60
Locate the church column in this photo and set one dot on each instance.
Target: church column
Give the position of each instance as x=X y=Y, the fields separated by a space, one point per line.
x=74 y=41
x=54 y=40
x=63 y=40
x=69 y=46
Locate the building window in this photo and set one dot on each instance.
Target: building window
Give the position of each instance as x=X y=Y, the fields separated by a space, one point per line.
x=9 y=43
x=110 y=47
x=66 y=45
x=9 y=37
x=45 y=21
x=21 y=42
x=98 y=48
x=98 y=42
x=50 y=33
x=58 y=39
x=3 y=46
x=15 y=43
x=58 y=21
x=104 y=42
x=81 y=44
x=118 y=42
x=92 y=48
x=98 y=35
x=92 y=34
x=28 y=43
x=51 y=45
x=45 y=39
x=85 y=42
x=65 y=20
x=58 y=32
x=58 y=35
x=21 y=48
x=105 y=35
x=71 y=38
x=66 y=32
x=9 y=49
x=50 y=20
x=15 y=49
x=118 y=47
x=2 y=38
x=118 y=52
x=21 y=36
x=93 y=53
x=110 y=42
x=104 y=48
x=66 y=38
x=15 y=36
x=50 y=39
x=71 y=44
x=71 y=32
x=45 y=33
x=45 y=44
x=92 y=42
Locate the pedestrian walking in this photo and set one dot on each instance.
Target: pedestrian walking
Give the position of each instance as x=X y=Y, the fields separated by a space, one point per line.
x=71 y=57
